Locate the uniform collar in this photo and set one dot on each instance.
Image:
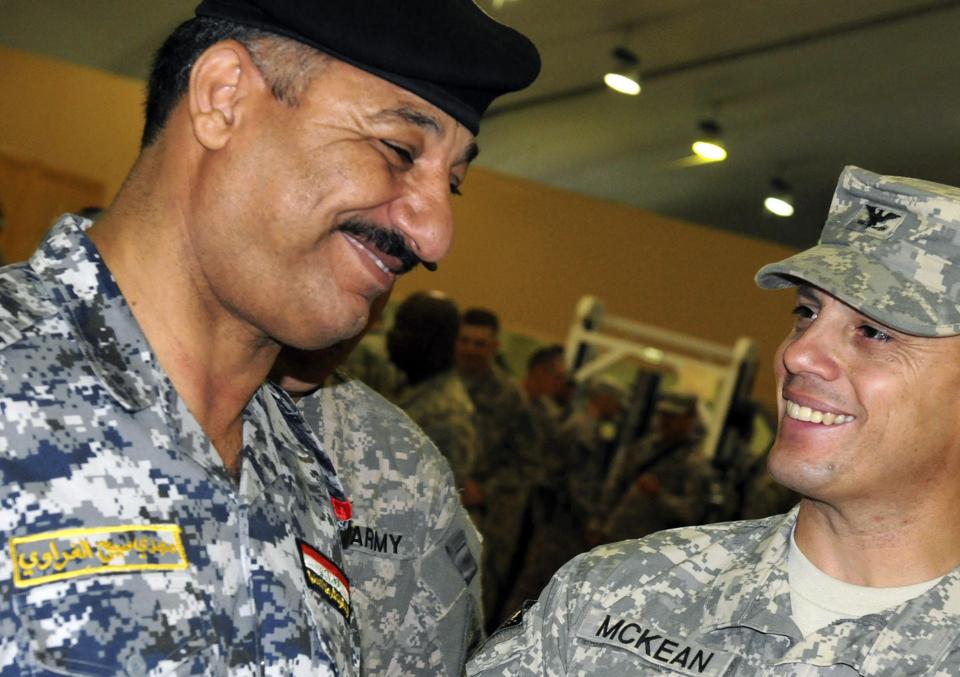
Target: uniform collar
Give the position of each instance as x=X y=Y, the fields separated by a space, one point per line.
x=293 y=436
x=754 y=592
x=79 y=283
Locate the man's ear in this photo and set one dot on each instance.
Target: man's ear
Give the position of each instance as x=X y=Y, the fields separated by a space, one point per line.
x=223 y=81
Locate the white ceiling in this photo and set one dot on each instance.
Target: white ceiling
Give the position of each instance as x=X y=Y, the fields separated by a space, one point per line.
x=800 y=87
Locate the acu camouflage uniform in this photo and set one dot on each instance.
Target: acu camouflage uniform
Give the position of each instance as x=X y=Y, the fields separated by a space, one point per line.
x=412 y=551
x=713 y=600
x=125 y=547
x=441 y=406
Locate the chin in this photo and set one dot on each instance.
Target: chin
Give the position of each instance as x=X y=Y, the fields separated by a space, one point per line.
x=806 y=477
x=322 y=338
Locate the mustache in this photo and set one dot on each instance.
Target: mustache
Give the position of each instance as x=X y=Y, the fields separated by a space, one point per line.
x=390 y=242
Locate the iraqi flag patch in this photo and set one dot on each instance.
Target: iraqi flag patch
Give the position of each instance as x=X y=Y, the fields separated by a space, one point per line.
x=325 y=578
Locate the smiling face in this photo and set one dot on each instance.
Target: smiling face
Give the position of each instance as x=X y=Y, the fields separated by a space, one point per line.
x=866 y=412
x=283 y=211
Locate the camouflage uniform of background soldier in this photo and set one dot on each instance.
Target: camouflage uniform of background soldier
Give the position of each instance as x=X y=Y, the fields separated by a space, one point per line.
x=552 y=532
x=412 y=553
x=662 y=481
x=508 y=463
x=443 y=409
x=868 y=380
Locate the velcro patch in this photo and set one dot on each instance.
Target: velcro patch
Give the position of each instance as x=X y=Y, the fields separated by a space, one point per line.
x=662 y=649
x=879 y=222
x=325 y=578
x=69 y=553
x=378 y=541
x=460 y=555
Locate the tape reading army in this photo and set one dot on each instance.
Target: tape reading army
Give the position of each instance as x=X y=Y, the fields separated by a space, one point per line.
x=373 y=540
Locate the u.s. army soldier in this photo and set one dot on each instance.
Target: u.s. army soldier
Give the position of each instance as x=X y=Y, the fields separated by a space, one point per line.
x=411 y=551
x=164 y=511
x=862 y=577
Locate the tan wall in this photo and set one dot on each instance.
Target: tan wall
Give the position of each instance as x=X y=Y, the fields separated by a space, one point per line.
x=526 y=250
x=77 y=120
x=530 y=252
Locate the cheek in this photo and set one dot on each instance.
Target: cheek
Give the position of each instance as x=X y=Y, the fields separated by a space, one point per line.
x=779 y=369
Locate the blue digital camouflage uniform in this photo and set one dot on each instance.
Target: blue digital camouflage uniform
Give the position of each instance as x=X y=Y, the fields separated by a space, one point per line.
x=412 y=553
x=125 y=547
x=713 y=600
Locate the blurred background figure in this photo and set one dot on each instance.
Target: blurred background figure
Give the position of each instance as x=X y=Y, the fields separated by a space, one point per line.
x=421 y=346
x=508 y=462
x=592 y=429
x=551 y=528
x=662 y=481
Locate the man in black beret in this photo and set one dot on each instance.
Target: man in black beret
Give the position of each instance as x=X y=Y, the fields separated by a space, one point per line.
x=164 y=510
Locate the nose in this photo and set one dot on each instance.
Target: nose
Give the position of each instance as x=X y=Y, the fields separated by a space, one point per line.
x=425 y=215
x=812 y=352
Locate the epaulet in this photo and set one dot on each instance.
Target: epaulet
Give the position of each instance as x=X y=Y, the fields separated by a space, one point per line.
x=680 y=544
x=23 y=302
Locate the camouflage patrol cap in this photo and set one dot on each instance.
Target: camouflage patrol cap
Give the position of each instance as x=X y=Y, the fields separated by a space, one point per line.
x=890 y=248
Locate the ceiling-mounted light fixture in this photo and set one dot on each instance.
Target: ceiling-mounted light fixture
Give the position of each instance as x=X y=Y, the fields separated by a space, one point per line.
x=626 y=79
x=780 y=199
x=709 y=145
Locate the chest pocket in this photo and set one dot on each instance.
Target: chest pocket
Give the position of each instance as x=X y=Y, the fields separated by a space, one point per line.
x=116 y=624
x=380 y=562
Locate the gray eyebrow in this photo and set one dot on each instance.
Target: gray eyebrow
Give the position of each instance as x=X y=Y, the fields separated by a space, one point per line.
x=414 y=117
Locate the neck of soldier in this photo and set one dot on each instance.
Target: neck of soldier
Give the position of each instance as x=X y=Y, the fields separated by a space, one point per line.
x=883 y=542
x=215 y=361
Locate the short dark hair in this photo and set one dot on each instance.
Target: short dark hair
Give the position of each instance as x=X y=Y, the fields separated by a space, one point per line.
x=481 y=317
x=544 y=356
x=284 y=63
x=423 y=335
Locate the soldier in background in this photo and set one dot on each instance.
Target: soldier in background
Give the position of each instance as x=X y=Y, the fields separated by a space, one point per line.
x=412 y=553
x=420 y=344
x=592 y=429
x=507 y=464
x=550 y=534
x=863 y=577
x=663 y=480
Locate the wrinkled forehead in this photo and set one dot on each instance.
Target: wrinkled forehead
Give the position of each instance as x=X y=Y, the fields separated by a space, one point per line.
x=370 y=100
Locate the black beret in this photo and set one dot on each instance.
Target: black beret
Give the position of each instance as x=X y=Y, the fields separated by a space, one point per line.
x=448 y=52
